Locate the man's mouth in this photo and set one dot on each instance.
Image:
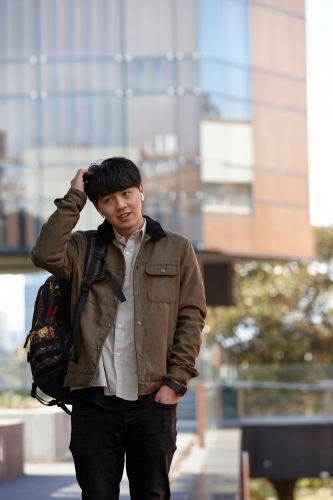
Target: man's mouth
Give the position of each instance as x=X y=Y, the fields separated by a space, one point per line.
x=124 y=216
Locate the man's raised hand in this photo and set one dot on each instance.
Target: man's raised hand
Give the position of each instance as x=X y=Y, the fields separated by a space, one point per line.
x=78 y=182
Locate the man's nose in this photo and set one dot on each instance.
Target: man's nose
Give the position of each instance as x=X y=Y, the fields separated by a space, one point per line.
x=120 y=203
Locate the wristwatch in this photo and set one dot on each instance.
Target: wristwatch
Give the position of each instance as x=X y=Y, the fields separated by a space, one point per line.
x=179 y=389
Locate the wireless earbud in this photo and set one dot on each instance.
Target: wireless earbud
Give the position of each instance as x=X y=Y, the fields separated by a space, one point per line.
x=142 y=197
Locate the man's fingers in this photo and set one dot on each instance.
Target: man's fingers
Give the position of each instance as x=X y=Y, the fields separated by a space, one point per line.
x=81 y=173
x=78 y=181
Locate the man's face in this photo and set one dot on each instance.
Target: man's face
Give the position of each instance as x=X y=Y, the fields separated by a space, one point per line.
x=123 y=210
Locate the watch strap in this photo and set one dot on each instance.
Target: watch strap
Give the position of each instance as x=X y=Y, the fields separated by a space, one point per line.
x=179 y=389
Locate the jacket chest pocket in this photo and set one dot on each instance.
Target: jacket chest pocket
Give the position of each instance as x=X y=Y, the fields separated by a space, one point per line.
x=162 y=282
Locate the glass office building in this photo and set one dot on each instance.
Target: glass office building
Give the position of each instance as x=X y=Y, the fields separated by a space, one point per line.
x=168 y=83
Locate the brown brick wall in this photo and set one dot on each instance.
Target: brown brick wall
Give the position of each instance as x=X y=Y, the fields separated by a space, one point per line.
x=279 y=224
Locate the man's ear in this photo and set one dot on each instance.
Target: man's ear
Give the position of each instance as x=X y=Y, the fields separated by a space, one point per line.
x=141 y=192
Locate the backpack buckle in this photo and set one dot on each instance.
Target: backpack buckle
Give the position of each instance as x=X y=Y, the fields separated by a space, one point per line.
x=98 y=255
x=86 y=284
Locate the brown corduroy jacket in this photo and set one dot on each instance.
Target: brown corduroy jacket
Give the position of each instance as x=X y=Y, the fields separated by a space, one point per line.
x=169 y=305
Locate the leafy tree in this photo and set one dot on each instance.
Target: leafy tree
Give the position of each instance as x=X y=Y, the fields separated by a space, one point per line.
x=283 y=309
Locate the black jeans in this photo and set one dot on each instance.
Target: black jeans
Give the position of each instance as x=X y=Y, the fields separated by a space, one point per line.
x=101 y=438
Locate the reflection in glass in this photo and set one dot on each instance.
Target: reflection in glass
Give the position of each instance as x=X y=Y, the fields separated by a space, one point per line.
x=150 y=75
x=222 y=78
x=224 y=30
x=83 y=81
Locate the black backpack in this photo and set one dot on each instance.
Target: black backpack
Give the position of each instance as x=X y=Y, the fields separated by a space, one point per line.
x=53 y=340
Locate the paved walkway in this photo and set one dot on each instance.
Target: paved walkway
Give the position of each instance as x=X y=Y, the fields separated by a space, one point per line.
x=196 y=474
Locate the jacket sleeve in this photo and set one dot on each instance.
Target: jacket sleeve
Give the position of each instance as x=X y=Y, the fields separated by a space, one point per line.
x=190 y=320
x=56 y=249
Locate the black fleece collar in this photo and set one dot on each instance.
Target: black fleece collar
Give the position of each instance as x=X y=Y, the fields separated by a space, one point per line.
x=105 y=231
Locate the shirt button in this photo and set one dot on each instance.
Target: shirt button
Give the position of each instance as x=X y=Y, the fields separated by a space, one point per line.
x=127 y=253
x=119 y=326
x=162 y=270
x=139 y=323
x=117 y=353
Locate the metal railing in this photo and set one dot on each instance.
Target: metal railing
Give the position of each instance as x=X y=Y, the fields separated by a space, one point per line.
x=318 y=405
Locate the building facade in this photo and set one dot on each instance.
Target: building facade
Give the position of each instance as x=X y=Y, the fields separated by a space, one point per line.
x=208 y=97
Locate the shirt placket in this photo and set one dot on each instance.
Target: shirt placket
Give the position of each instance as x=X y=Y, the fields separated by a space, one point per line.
x=121 y=325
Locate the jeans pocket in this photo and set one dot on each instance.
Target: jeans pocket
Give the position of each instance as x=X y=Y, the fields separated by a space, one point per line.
x=173 y=405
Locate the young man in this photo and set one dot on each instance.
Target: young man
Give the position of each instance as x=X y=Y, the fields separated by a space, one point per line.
x=135 y=357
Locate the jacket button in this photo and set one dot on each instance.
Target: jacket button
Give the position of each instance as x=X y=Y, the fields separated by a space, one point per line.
x=90 y=380
x=114 y=298
x=162 y=270
x=107 y=324
x=139 y=323
x=120 y=272
x=140 y=354
x=137 y=294
x=97 y=348
x=143 y=387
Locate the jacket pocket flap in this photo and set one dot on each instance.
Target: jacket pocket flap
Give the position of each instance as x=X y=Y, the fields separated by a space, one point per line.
x=162 y=269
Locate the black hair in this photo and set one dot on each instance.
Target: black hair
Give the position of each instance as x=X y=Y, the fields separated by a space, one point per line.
x=112 y=175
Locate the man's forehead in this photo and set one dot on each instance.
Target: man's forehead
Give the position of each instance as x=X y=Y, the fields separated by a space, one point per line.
x=115 y=193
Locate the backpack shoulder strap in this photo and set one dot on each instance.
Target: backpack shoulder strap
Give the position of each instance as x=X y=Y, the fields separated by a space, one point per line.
x=95 y=255
x=98 y=251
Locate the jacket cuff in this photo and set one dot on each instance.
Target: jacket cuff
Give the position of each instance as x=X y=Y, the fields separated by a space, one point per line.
x=74 y=195
x=181 y=376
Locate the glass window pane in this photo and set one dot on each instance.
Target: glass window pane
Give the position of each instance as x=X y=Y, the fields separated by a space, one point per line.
x=18 y=123
x=189 y=73
x=80 y=27
x=186 y=26
x=18 y=78
x=150 y=23
x=188 y=125
x=82 y=122
x=228 y=80
x=156 y=117
x=97 y=76
x=216 y=107
x=150 y=75
x=18 y=34
x=224 y=30
x=19 y=222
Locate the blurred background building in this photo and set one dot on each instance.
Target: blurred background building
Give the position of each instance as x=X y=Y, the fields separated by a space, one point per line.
x=208 y=97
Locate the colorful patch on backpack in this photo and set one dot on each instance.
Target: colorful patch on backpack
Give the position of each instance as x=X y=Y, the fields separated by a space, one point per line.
x=45 y=349
x=46 y=363
x=45 y=333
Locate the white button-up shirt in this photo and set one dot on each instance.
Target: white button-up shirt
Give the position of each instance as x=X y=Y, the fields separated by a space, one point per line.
x=118 y=370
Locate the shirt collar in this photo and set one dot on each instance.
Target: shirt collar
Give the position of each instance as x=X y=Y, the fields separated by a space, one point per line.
x=139 y=234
